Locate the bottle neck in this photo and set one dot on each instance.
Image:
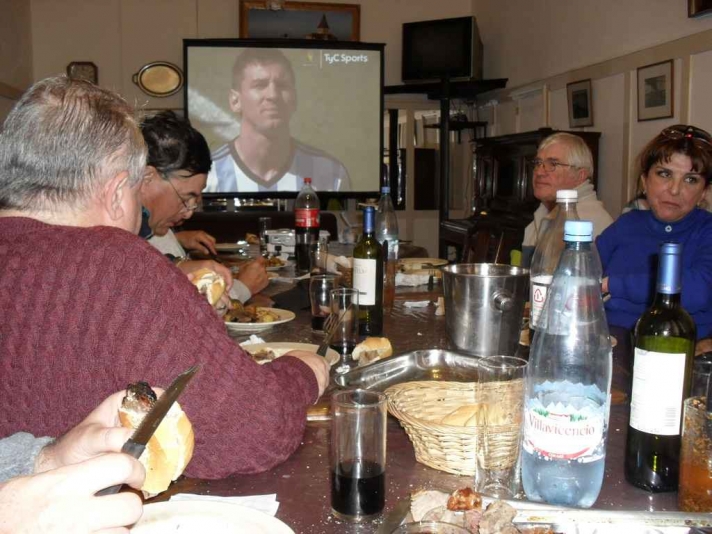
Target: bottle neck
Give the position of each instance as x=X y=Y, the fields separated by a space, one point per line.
x=368 y=223
x=583 y=246
x=669 y=281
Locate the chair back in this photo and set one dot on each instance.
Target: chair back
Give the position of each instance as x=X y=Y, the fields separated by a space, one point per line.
x=491 y=240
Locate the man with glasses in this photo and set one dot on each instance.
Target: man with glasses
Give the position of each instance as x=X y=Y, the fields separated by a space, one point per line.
x=563 y=161
x=177 y=166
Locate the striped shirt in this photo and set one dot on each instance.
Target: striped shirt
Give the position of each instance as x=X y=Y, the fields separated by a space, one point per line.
x=230 y=174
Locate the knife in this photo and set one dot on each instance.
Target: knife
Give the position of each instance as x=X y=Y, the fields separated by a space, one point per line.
x=137 y=443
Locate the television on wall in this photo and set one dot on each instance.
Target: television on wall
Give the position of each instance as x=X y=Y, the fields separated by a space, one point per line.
x=276 y=111
x=444 y=48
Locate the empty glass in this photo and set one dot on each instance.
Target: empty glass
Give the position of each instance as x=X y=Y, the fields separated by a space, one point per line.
x=318 y=255
x=501 y=391
x=344 y=306
x=265 y=223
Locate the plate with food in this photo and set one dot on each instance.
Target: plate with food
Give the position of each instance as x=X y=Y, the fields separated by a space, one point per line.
x=206 y=516
x=421 y=265
x=274 y=263
x=266 y=352
x=240 y=318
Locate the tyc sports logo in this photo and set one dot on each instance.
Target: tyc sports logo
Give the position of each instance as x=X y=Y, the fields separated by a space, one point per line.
x=344 y=58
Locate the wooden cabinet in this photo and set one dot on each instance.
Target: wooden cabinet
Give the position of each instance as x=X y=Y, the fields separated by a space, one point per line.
x=502 y=175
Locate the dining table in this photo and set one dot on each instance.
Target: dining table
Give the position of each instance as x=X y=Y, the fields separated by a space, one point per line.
x=302 y=482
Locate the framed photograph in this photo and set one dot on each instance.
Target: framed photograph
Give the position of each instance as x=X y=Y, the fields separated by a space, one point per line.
x=580 y=103
x=697 y=8
x=655 y=91
x=300 y=20
x=83 y=70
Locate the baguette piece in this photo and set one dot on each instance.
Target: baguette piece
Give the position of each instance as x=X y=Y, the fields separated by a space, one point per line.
x=170 y=448
x=210 y=284
x=372 y=349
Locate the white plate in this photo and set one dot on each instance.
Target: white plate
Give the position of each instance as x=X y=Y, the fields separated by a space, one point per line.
x=283 y=347
x=284 y=317
x=287 y=263
x=205 y=516
x=228 y=247
x=412 y=264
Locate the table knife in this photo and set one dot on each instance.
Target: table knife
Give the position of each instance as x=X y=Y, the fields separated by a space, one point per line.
x=138 y=440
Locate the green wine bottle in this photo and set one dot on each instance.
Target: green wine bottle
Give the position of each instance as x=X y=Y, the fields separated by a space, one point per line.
x=662 y=376
x=368 y=277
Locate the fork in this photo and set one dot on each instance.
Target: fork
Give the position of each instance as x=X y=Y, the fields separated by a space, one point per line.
x=331 y=324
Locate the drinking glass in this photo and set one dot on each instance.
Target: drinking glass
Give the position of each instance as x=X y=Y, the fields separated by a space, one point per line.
x=318 y=255
x=701 y=371
x=430 y=527
x=320 y=288
x=358 y=454
x=501 y=389
x=344 y=305
x=695 y=491
x=265 y=223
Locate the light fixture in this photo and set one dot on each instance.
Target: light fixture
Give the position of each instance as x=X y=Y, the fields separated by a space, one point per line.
x=274 y=5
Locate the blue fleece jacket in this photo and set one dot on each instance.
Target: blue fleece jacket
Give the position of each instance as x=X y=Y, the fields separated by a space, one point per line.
x=629 y=254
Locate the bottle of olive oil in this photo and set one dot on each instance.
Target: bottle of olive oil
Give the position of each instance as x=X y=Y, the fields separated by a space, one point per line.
x=662 y=376
x=368 y=277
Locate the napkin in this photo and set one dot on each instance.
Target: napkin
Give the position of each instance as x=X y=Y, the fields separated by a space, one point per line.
x=416 y=303
x=403 y=279
x=332 y=262
x=267 y=504
x=253 y=340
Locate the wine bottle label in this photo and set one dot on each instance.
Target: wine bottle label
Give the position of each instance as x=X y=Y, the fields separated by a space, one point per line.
x=306 y=218
x=540 y=286
x=656 y=399
x=364 y=280
x=563 y=426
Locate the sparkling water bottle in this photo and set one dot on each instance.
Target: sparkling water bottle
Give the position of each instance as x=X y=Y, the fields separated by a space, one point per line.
x=567 y=401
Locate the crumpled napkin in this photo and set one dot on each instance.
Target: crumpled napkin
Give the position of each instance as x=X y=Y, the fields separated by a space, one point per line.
x=416 y=303
x=253 y=340
x=267 y=504
x=403 y=279
x=333 y=261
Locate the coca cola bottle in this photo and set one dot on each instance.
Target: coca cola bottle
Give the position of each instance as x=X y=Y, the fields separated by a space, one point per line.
x=306 y=225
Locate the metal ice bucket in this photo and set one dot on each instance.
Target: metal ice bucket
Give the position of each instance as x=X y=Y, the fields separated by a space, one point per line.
x=484 y=304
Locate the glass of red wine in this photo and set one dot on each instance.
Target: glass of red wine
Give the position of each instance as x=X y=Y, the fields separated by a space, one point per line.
x=320 y=288
x=358 y=455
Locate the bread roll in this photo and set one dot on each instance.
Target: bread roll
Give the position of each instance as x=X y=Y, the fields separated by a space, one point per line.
x=210 y=284
x=372 y=349
x=463 y=415
x=170 y=448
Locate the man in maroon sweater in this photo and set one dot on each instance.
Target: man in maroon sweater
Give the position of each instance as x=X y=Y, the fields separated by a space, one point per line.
x=89 y=307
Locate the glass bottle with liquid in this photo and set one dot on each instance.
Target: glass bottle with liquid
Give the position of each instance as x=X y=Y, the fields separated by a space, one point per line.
x=368 y=277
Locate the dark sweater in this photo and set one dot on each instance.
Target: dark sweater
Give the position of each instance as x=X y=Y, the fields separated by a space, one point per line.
x=629 y=253
x=85 y=311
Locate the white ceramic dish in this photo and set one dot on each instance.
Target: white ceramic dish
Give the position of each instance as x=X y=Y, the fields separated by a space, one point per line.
x=408 y=265
x=206 y=516
x=281 y=348
x=284 y=317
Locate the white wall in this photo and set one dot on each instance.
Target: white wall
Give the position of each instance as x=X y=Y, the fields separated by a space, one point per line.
x=528 y=40
x=15 y=52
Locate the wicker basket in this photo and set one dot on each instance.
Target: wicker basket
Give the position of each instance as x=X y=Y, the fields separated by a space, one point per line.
x=420 y=406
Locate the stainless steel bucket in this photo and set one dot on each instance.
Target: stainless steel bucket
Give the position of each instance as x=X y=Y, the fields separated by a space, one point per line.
x=484 y=304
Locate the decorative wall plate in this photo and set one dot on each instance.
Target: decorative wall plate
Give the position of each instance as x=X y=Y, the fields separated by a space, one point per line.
x=159 y=79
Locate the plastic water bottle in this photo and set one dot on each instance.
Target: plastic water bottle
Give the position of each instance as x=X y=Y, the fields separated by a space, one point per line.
x=567 y=402
x=550 y=244
x=387 y=235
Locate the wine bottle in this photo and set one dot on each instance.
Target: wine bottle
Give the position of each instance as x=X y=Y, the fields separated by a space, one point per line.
x=368 y=277
x=662 y=377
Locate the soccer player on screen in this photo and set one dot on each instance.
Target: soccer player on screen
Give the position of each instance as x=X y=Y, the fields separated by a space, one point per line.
x=265 y=157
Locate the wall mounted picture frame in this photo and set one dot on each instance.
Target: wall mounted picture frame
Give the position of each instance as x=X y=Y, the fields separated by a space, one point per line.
x=580 y=100
x=655 y=91
x=698 y=8
x=83 y=70
x=300 y=20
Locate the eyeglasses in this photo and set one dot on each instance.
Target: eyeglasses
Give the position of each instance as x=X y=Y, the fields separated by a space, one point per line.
x=190 y=205
x=549 y=165
x=682 y=131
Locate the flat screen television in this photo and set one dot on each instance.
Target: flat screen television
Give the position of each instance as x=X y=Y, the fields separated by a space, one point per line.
x=277 y=111
x=444 y=48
